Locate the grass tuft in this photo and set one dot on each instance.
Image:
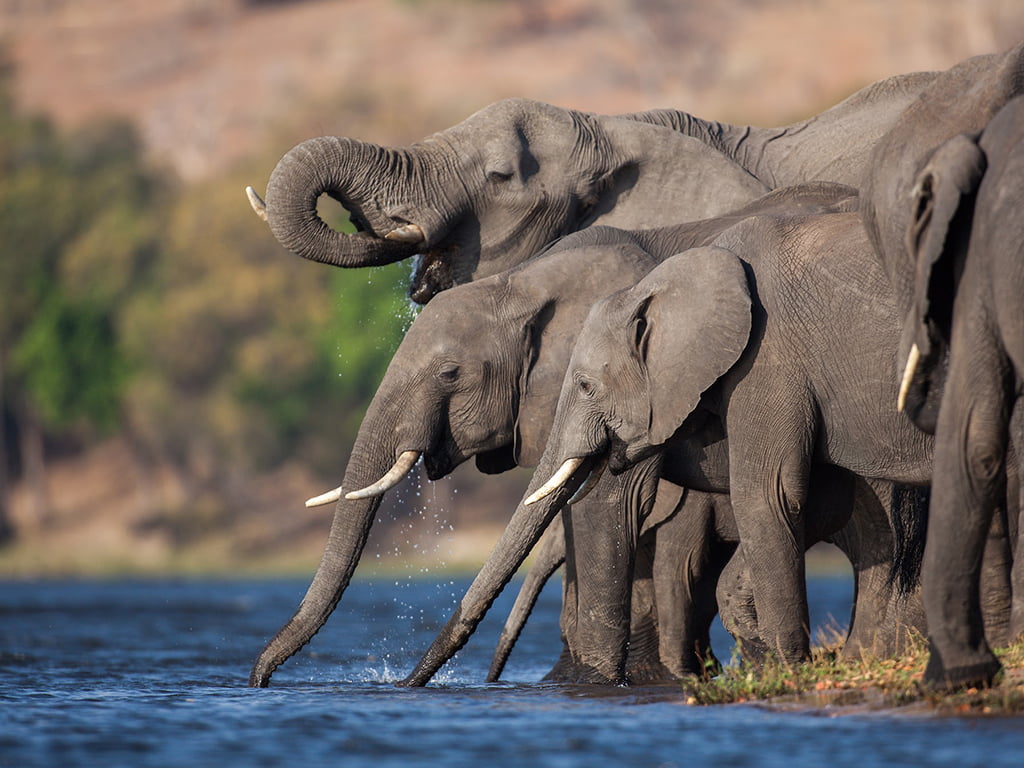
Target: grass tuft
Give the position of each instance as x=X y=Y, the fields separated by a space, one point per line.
x=838 y=684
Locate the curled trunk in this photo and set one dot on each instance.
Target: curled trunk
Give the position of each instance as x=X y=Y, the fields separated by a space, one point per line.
x=353 y=173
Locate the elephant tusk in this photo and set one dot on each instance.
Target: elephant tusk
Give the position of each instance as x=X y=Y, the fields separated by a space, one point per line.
x=402 y=465
x=557 y=480
x=591 y=482
x=407 y=233
x=908 y=374
x=325 y=498
x=256 y=202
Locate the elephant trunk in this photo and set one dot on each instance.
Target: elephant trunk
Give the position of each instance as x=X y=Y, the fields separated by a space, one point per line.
x=520 y=535
x=349 y=530
x=548 y=560
x=354 y=173
x=353 y=519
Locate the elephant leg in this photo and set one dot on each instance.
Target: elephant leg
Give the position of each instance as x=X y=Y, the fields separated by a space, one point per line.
x=689 y=559
x=1014 y=507
x=995 y=588
x=886 y=615
x=601 y=532
x=643 y=665
x=735 y=597
x=769 y=501
x=968 y=482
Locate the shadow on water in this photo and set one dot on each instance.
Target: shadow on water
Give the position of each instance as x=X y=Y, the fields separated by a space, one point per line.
x=152 y=673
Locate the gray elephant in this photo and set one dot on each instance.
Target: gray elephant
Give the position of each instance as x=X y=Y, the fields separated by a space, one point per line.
x=683 y=545
x=772 y=349
x=490 y=192
x=689 y=540
x=900 y=205
x=968 y=331
x=447 y=397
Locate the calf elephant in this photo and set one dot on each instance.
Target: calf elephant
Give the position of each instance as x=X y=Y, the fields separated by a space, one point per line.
x=966 y=323
x=488 y=193
x=478 y=375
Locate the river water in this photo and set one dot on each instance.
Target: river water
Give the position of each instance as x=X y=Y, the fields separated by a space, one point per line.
x=152 y=673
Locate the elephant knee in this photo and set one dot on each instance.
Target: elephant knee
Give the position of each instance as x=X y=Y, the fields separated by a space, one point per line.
x=985 y=454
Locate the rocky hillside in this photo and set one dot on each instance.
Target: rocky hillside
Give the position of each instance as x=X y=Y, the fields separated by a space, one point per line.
x=209 y=81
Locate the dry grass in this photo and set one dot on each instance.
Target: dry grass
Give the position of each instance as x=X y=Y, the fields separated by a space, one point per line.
x=837 y=685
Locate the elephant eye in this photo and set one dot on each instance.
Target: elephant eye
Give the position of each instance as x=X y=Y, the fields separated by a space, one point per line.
x=586 y=386
x=448 y=373
x=502 y=175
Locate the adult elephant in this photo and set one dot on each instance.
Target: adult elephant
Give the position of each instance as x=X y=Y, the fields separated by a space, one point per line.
x=488 y=193
x=777 y=334
x=900 y=203
x=966 y=320
x=447 y=396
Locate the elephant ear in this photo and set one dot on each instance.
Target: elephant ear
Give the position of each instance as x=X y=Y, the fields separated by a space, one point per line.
x=691 y=324
x=937 y=239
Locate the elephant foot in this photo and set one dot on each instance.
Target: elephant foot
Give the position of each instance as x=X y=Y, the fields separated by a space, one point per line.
x=577 y=673
x=938 y=678
x=651 y=674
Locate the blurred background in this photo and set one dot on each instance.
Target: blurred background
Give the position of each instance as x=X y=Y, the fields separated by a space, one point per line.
x=173 y=384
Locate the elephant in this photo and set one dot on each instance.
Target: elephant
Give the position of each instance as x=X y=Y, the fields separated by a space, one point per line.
x=899 y=203
x=490 y=192
x=687 y=544
x=478 y=374
x=965 y=323
x=754 y=299
x=683 y=544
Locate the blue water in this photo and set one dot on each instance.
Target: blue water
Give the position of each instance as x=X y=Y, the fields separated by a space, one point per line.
x=152 y=673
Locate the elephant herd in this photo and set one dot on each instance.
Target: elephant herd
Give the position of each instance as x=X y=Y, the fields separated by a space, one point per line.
x=717 y=345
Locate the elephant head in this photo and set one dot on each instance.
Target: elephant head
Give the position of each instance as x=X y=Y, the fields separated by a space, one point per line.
x=645 y=360
x=961 y=100
x=492 y=191
x=477 y=374
x=937 y=239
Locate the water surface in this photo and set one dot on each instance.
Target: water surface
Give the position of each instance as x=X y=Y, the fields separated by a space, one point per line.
x=152 y=673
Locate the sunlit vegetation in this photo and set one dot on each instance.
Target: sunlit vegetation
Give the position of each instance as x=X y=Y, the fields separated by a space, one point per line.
x=133 y=305
x=832 y=682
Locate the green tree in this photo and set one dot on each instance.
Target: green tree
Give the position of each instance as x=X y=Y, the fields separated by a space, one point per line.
x=247 y=355
x=76 y=231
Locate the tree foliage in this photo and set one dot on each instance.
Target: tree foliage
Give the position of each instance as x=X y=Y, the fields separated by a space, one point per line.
x=132 y=304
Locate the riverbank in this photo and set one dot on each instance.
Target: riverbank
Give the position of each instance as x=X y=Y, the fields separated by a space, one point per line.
x=831 y=685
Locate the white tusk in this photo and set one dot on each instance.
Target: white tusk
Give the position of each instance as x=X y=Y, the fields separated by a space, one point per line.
x=402 y=465
x=256 y=202
x=407 y=233
x=325 y=498
x=557 y=480
x=591 y=482
x=908 y=374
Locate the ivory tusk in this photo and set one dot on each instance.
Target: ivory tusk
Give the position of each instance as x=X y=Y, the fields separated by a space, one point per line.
x=256 y=202
x=401 y=466
x=908 y=374
x=407 y=233
x=591 y=482
x=325 y=498
x=557 y=480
